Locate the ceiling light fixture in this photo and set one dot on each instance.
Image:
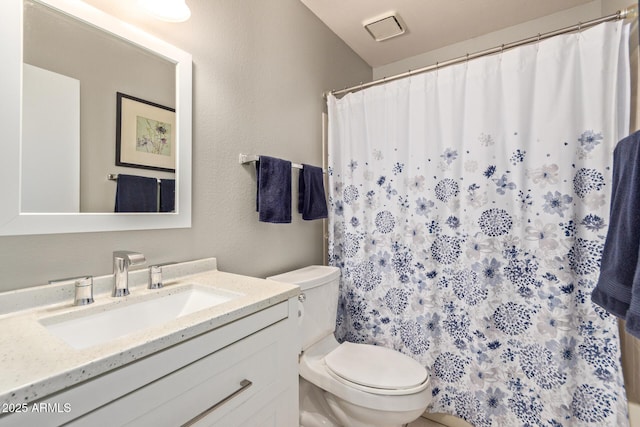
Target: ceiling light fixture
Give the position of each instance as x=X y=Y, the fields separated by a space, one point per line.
x=167 y=10
x=385 y=27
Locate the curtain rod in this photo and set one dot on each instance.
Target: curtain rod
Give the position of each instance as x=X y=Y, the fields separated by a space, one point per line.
x=629 y=12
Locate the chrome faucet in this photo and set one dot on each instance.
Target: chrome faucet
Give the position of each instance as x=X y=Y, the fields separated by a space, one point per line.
x=121 y=262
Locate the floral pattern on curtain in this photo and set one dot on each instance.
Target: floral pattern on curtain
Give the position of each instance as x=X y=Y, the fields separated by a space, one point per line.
x=468 y=212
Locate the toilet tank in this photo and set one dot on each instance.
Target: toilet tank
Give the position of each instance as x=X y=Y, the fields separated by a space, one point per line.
x=319 y=295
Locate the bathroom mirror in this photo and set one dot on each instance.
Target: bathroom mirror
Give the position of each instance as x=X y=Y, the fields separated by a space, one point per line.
x=144 y=68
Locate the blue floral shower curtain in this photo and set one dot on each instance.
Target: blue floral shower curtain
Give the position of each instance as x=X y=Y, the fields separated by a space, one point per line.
x=469 y=208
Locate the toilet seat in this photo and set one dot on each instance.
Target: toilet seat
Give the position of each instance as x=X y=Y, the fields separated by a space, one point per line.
x=375 y=369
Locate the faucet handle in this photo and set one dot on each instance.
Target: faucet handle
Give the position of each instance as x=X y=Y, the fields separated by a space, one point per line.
x=155 y=277
x=84 y=291
x=83 y=288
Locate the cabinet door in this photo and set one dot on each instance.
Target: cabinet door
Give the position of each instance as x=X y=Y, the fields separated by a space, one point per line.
x=279 y=412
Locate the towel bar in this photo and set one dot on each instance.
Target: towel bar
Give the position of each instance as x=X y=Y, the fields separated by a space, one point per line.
x=114 y=177
x=249 y=158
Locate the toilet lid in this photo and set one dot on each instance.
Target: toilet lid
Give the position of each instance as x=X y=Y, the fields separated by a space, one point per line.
x=375 y=367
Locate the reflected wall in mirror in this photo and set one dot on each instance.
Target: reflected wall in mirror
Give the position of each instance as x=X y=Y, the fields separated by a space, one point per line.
x=74 y=61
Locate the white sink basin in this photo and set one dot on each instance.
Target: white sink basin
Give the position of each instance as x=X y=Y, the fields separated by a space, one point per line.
x=103 y=324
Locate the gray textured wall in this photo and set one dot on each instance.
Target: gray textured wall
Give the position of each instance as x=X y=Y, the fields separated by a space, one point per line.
x=260 y=68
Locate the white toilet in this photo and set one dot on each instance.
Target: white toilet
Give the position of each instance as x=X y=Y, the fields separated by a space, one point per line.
x=351 y=385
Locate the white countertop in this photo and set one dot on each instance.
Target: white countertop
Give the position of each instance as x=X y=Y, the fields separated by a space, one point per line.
x=34 y=363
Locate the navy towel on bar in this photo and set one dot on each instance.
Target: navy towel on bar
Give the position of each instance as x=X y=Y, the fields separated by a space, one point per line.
x=273 y=197
x=167 y=195
x=618 y=287
x=136 y=194
x=312 y=203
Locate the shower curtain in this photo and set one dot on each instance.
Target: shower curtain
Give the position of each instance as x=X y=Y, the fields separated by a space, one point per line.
x=468 y=211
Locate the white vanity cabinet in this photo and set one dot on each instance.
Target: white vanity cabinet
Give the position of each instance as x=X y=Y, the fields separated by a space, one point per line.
x=241 y=374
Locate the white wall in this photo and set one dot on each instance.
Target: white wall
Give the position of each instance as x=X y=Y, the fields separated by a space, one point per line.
x=260 y=68
x=566 y=18
x=634 y=414
x=50 y=167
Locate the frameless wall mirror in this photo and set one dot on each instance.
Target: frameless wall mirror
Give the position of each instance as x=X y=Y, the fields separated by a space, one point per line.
x=88 y=96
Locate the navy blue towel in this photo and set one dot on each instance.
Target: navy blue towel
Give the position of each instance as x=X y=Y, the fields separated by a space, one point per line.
x=136 y=194
x=273 y=197
x=618 y=287
x=167 y=195
x=312 y=203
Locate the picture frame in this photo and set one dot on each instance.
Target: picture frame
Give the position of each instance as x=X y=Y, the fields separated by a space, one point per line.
x=145 y=134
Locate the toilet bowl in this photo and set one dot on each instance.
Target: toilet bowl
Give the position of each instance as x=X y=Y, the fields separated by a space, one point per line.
x=348 y=384
x=383 y=400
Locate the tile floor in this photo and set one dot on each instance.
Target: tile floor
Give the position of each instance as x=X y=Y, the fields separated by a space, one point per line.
x=423 y=422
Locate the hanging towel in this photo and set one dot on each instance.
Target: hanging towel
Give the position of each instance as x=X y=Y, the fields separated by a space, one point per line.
x=312 y=203
x=167 y=195
x=618 y=287
x=136 y=194
x=273 y=198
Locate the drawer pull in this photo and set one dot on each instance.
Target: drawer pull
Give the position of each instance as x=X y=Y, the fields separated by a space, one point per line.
x=244 y=384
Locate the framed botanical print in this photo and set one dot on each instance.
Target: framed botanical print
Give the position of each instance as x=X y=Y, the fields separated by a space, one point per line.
x=145 y=134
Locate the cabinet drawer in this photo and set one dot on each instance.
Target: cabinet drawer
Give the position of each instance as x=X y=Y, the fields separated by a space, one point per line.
x=218 y=379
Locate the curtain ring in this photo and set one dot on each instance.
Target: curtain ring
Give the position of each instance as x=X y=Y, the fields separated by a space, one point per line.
x=579 y=26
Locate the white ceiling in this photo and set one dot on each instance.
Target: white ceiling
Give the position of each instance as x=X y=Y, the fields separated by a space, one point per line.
x=431 y=24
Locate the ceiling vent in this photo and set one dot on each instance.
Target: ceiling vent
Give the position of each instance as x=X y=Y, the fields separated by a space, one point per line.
x=385 y=27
